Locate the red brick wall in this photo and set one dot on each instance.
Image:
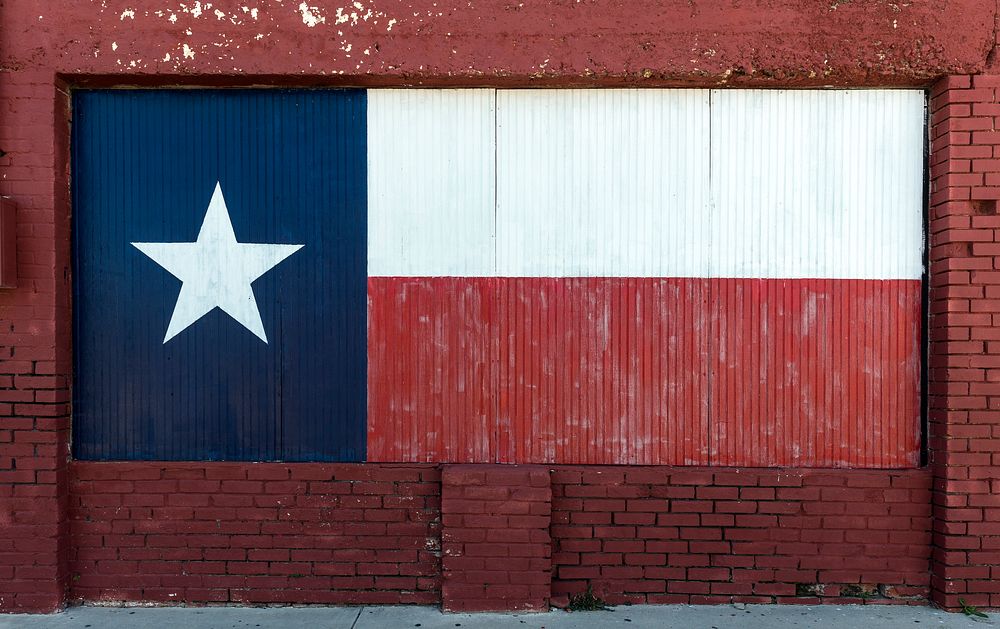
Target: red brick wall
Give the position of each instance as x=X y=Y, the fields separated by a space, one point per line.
x=698 y=535
x=477 y=537
x=34 y=346
x=495 y=537
x=964 y=361
x=965 y=339
x=254 y=533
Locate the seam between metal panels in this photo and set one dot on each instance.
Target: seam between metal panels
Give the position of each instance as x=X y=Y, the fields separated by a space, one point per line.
x=711 y=216
x=496 y=259
x=496 y=177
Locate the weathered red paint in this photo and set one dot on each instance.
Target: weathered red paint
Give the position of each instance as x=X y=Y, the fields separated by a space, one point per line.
x=644 y=371
x=818 y=372
x=706 y=535
x=496 y=553
x=862 y=42
x=255 y=533
x=493 y=536
x=964 y=329
x=538 y=370
x=35 y=346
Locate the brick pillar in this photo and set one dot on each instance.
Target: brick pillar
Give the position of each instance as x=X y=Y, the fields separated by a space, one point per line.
x=496 y=550
x=35 y=353
x=964 y=326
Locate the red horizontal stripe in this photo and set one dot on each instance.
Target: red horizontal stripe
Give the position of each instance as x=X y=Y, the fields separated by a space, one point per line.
x=815 y=372
x=644 y=370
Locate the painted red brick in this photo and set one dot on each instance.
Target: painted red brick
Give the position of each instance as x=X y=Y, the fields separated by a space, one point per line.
x=34 y=362
x=964 y=398
x=267 y=540
x=496 y=547
x=789 y=541
x=371 y=534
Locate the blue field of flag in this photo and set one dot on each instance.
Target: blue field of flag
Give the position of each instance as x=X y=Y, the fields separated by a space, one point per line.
x=182 y=199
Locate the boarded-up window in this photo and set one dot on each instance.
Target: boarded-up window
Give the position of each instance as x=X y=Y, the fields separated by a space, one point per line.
x=569 y=276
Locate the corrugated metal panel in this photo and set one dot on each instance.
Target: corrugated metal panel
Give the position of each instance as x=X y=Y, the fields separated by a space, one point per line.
x=582 y=370
x=603 y=370
x=602 y=183
x=292 y=168
x=815 y=372
x=431 y=182
x=618 y=183
x=644 y=371
x=817 y=183
x=431 y=375
x=562 y=329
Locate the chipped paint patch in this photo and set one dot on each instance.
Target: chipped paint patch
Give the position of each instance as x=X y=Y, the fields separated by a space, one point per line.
x=114 y=45
x=127 y=13
x=311 y=15
x=188 y=53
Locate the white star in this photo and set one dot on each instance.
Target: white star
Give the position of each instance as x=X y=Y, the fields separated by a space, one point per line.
x=216 y=271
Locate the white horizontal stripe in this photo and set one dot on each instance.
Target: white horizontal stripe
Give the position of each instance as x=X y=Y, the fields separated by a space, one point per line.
x=602 y=182
x=431 y=180
x=646 y=183
x=817 y=183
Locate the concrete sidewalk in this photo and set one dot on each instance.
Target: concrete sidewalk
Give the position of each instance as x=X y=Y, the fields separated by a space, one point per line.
x=626 y=617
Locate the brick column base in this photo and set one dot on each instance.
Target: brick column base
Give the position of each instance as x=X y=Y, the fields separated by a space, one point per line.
x=496 y=549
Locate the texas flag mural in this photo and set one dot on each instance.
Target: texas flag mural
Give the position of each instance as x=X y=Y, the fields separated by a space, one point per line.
x=726 y=277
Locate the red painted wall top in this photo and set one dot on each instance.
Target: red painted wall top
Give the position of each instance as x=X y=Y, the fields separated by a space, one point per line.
x=470 y=42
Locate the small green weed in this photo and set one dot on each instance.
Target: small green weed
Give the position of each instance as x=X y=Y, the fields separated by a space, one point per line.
x=587 y=602
x=971 y=610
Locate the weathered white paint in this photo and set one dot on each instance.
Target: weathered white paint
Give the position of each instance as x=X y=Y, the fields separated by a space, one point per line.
x=602 y=182
x=646 y=183
x=812 y=183
x=216 y=271
x=431 y=188
x=311 y=15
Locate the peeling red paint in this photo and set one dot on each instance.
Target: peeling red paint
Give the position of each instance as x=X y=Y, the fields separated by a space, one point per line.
x=839 y=42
